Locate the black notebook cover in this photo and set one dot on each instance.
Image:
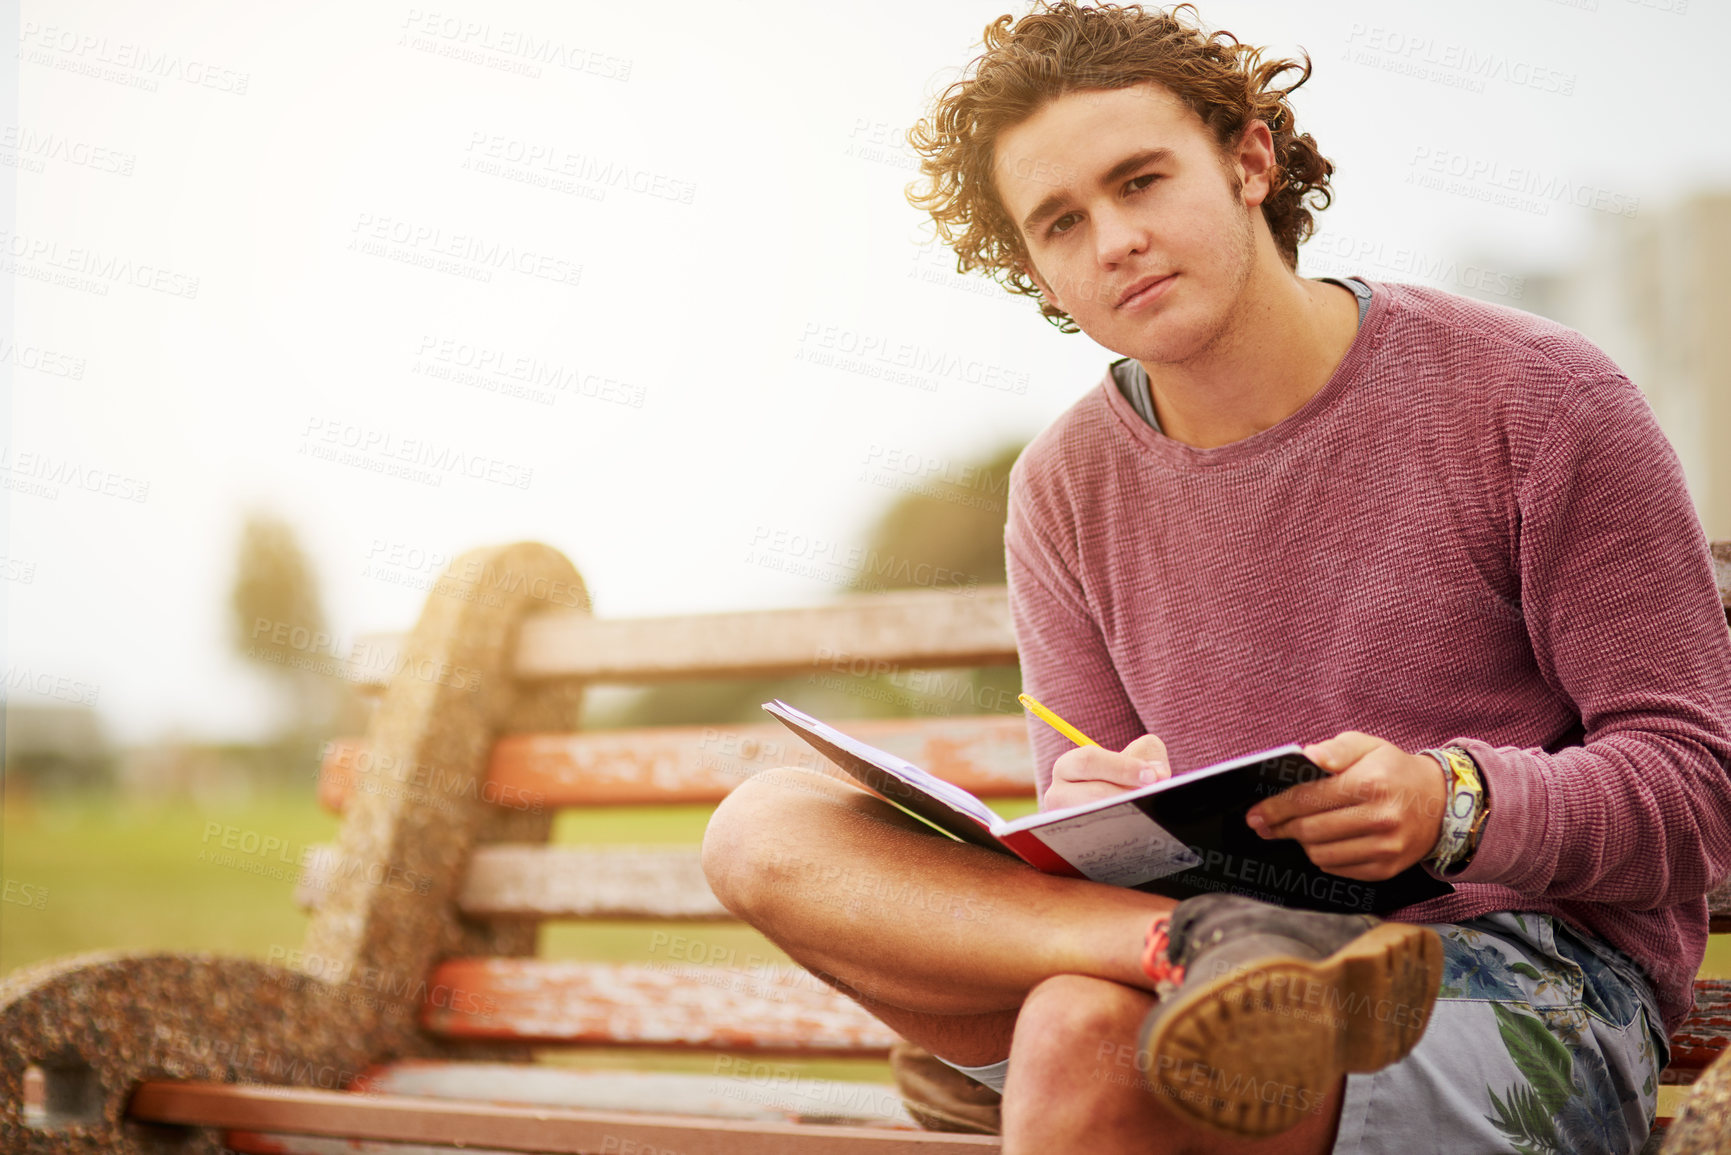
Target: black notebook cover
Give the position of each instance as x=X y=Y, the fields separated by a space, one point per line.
x=1207 y=815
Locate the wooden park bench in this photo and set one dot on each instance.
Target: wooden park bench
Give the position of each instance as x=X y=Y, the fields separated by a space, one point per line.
x=408 y=1022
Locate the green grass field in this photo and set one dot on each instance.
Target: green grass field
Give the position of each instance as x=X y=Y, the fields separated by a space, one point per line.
x=96 y=872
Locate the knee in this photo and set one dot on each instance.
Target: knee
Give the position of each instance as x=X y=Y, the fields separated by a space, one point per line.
x=1074 y=1029
x=751 y=847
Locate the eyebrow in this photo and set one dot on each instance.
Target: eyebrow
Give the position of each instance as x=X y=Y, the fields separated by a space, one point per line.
x=1113 y=175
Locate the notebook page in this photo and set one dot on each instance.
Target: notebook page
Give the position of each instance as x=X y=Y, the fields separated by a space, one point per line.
x=930 y=783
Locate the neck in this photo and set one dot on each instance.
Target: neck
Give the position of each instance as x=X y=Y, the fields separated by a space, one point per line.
x=1279 y=346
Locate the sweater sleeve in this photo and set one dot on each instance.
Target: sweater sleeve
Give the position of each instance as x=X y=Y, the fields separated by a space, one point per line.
x=1625 y=621
x=1065 y=662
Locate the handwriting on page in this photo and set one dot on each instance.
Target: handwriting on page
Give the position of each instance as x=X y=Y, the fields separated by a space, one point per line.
x=1119 y=845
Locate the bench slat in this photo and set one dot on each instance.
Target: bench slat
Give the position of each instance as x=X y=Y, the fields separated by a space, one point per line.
x=553 y=882
x=277 y=1143
x=509 y=880
x=1703 y=1034
x=1719 y=909
x=528 y=880
x=739 y=1088
x=749 y=1008
x=906 y=628
x=514 y=1128
x=931 y=627
x=985 y=753
x=779 y=1008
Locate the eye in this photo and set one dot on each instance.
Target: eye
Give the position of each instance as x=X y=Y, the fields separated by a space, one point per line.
x=1137 y=184
x=1059 y=227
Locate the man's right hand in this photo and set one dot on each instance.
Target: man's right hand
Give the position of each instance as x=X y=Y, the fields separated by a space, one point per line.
x=1088 y=773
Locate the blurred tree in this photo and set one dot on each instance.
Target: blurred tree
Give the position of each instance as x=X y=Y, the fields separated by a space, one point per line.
x=53 y=746
x=944 y=532
x=952 y=522
x=277 y=622
x=955 y=525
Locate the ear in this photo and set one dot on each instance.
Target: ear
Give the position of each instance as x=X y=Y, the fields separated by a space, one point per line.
x=1254 y=162
x=1040 y=283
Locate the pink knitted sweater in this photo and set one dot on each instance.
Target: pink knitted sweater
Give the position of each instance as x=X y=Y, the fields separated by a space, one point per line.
x=1474 y=533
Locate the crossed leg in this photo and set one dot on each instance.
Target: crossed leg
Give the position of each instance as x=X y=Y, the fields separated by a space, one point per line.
x=970 y=954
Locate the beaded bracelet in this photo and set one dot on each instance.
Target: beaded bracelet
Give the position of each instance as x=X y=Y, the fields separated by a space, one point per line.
x=1464 y=809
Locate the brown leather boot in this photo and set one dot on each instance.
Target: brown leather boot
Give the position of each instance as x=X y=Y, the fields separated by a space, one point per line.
x=941 y=1098
x=1275 y=1005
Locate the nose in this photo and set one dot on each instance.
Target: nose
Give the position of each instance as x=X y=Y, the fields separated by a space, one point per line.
x=1118 y=235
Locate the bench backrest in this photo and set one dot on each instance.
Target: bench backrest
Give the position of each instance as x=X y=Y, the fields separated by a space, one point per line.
x=443 y=871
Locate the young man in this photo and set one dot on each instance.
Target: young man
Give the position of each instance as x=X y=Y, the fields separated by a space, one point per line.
x=1446 y=538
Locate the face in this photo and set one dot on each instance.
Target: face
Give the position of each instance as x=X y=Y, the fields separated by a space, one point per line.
x=1132 y=220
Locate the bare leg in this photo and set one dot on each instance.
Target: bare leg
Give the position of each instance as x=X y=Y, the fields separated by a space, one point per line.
x=940 y=940
x=972 y=955
x=1074 y=1071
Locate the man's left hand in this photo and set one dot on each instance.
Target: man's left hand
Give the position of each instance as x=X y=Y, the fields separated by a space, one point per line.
x=1378 y=812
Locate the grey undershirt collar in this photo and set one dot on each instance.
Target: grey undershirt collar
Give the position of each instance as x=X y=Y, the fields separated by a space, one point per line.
x=1132 y=379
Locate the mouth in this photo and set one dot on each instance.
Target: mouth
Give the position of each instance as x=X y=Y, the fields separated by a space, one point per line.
x=1144 y=289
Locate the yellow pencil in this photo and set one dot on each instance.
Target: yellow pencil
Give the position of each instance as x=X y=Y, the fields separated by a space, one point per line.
x=1056 y=722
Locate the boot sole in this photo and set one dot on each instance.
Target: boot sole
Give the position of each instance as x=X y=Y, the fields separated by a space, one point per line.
x=1253 y=1052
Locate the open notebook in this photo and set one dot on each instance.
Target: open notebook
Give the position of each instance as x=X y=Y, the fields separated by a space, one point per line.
x=1180 y=837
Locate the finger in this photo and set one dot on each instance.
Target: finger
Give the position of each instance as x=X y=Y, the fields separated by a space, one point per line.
x=1061 y=794
x=1342 y=751
x=1335 y=757
x=1342 y=823
x=1297 y=801
x=1366 y=859
x=1095 y=764
x=1151 y=752
x=1321 y=826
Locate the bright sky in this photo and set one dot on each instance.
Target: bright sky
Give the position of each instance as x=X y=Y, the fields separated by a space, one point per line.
x=248 y=239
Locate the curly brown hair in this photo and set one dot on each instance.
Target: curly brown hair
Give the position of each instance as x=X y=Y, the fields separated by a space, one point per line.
x=1066 y=47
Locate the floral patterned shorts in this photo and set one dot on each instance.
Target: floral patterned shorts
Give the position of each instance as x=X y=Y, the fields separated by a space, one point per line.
x=1542 y=1040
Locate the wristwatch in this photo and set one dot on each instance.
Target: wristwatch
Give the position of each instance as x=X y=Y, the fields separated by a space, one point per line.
x=1465 y=808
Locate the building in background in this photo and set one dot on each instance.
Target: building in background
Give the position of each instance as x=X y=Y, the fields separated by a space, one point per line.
x=1654 y=292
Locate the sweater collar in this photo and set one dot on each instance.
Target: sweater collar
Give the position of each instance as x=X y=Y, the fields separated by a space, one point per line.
x=1352 y=368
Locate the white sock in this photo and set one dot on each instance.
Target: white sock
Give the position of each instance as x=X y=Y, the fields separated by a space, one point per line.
x=991 y=1075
